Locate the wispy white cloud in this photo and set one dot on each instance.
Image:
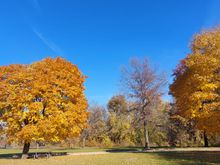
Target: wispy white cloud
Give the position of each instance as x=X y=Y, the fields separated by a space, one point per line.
x=47 y=42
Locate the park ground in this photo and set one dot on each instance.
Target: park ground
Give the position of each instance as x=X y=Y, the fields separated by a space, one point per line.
x=118 y=156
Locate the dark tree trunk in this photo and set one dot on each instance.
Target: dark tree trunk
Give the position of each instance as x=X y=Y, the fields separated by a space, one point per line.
x=25 y=150
x=206 y=142
x=146 y=137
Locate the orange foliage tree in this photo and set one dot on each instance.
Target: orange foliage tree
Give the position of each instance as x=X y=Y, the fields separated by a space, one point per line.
x=196 y=86
x=42 y=102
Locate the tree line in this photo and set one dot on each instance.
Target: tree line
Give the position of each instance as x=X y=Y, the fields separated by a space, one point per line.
x=191 y=119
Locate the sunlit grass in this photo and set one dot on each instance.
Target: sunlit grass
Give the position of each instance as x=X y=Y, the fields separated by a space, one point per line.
x=115 y=158
x=119 y=159
x=86 y=149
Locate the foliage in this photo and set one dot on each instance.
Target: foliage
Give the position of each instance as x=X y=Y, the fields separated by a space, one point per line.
x=43 y=101
x=119 y=121
x=96 y=133
x=118 y=105
x=182 y=132
x=119 y=127
x=144 y=87
x=196 y=86
x=159 y=123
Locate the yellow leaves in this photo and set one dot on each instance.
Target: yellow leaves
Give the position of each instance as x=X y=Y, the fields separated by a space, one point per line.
x=10 y=120
x=26 y=134
x=43 y=101
x=197 y=90
x=209 y=87
x=55 y=139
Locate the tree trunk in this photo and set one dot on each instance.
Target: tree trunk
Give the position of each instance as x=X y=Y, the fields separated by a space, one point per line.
x=146 y=137
x=83 y=142
x=206 y=142
x=37 y=145
x=25 y=150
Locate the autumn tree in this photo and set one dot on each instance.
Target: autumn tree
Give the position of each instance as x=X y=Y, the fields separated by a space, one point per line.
x=118 y=104
x=119 y=121
x=96 y=132
x=182 y=132
x=196 y=86
x=144 y=87
x=42 y=102
x=158 y=122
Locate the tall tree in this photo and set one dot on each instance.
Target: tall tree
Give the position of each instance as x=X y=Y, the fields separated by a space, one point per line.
x=42 y=102
x=196 y=86
x=143 y=86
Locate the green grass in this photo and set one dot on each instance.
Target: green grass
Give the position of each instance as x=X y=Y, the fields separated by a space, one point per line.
x=96 y=149
x=78 y=150
x=14 y=151
x=120 y=159
x=116 y=158
x=73 y=150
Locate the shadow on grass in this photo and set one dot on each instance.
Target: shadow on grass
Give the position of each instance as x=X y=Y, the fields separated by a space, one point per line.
x=131 y=149
x=97 y=149
x=126 y=149
x=196 y=157
x=10 y=156
x=32 y=155
x=191 y=157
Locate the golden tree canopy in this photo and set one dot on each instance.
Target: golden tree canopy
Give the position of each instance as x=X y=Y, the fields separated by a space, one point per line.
x=43 y=101
x=196 y=86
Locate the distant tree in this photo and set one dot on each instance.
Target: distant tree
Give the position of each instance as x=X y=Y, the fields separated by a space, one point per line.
x=96 y=133
x=42 y=102
x=119 y=121
x=196 y=86
x=118 y=104
x=144 y=87
x=159 y=122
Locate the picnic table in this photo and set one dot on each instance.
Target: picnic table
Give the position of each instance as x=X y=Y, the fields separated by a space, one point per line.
x=37 y=155
x=42 y=155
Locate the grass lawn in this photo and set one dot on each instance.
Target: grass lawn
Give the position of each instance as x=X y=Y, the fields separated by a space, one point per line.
x=119 y=158
x=73 y=150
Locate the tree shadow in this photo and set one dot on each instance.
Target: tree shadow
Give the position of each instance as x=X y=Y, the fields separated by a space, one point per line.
x=32 y=155
x=126 y=149
x=192 y=157
x=10 y=156
x=196 y=157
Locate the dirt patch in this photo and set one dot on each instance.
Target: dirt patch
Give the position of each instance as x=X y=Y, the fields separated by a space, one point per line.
x=88 y=153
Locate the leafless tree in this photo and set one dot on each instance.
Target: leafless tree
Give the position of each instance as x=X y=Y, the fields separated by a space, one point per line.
x=143 y=86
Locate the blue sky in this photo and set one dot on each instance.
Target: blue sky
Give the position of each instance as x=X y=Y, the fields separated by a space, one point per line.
x=101 y=35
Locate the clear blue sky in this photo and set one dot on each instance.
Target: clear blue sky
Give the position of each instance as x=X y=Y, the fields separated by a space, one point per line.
x=101 y=35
